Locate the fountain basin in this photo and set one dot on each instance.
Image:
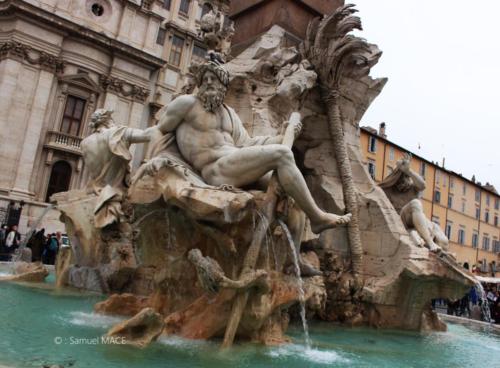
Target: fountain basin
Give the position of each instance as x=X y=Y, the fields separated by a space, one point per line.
x=47 y=326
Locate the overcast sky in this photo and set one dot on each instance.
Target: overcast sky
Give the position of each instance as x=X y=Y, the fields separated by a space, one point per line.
x=442 y=58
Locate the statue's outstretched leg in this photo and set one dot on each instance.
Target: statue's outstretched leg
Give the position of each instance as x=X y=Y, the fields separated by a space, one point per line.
x=413 y=215
x=246 y=165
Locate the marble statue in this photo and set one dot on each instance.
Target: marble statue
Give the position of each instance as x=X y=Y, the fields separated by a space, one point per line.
x=212 y=139
x=107 y=157
x=405 y=187
x=210 y=254
x=212 y=277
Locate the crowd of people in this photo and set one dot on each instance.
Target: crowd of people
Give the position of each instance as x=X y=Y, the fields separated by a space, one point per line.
x=44 y=247
x=472 y=305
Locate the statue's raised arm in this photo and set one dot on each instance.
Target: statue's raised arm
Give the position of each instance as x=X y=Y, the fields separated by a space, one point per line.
x=174 y=113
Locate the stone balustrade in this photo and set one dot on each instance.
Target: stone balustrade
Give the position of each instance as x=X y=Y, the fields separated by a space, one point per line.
x=63 y=141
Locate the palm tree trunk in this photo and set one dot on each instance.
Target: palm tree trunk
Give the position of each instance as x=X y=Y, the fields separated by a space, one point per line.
x=330 y=98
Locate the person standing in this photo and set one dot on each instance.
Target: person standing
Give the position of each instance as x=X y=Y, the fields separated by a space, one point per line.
x=37 y=245
x=3 y=237
x=12 y=241
x=51 y=249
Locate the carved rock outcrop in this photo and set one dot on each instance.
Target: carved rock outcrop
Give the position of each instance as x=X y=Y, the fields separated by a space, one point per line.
x=140 y=330
x=122 y=305
x=27 y=272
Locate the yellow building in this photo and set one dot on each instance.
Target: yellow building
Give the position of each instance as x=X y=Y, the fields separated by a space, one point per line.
x=466 y=211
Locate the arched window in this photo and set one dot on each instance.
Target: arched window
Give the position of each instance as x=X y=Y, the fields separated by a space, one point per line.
x=60 y=177
x=206 y=9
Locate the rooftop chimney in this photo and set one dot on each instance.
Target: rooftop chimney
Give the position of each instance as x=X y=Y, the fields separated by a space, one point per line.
x=381 y=130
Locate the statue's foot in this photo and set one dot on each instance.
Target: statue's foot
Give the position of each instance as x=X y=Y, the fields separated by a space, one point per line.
x=434 y=248
x=328 y=221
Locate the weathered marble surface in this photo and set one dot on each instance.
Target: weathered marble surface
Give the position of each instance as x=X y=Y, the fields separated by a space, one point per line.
x=139 y=330
x=27 y=272
x=400 y=279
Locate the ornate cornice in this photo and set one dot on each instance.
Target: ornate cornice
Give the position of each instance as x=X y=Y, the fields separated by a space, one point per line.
x=13 y=49
x=9 y=7
x=123 y=88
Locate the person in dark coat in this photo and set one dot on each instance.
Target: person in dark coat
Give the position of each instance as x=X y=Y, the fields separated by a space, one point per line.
x=3 y=237
x=37 y=245
x=51 y=248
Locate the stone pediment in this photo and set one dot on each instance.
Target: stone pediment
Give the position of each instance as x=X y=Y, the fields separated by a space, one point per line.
x=81 y=80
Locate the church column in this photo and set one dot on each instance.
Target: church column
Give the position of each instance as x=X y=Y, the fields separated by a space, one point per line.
x=9 y=71
x=32 y=137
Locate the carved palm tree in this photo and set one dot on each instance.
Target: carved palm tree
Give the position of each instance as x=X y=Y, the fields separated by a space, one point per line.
x=335 y=55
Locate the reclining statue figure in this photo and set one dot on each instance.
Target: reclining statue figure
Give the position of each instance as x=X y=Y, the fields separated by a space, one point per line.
x=405 y=187
x=211 y=138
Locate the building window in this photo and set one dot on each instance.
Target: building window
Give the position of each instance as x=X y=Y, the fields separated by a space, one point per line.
x=463 y=206
x=461 y=236
x=487 y=216
x=497 y=203
x=444 y=181
x=464 y=189
x=487 y=199
x=372 y=144
x=206 y=9
x=160 y=38
x=495 y=221
x=447 y=230
x=450 y=201
x=438 y=176
x=478 y=213
x=474 y=239
x=435 y=219
x=60 y=177
x=452 y=183
x=199 y=53
x=422 y=169
x=496 y=246
x=391 y=153
x=73 y=115
x=176 y=51
x=486 y=242
x=437 y=196
x=371 y=169
x=478 y=195
x=167 y=4
x=184 y=7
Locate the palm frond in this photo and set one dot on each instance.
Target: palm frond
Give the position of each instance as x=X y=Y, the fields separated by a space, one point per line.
x=331 y=48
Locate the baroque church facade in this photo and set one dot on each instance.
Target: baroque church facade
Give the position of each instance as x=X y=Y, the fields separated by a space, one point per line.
x=62 y=59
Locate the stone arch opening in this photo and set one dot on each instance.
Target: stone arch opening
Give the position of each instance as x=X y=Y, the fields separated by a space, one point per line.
x=60 y=178
x=206 y=8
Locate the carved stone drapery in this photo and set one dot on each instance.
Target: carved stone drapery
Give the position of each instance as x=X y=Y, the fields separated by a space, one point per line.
x=48 y=62
x=123 y=88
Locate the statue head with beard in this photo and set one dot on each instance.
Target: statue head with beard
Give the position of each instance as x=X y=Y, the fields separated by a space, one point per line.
x=212 y=81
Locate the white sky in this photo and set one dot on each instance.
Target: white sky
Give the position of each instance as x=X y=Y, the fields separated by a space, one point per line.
x=442 y=58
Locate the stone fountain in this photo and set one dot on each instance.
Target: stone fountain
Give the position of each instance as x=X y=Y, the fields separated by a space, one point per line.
x=195 y=242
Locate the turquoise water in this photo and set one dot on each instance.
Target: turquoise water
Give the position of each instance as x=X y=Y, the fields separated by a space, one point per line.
x=41 y=326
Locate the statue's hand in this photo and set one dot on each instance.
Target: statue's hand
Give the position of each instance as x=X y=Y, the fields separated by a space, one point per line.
x=404 y=164
x=297 y=127
x=150 y=168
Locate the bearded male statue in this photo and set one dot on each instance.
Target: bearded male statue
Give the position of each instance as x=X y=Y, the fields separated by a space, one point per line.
x=212 y=139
